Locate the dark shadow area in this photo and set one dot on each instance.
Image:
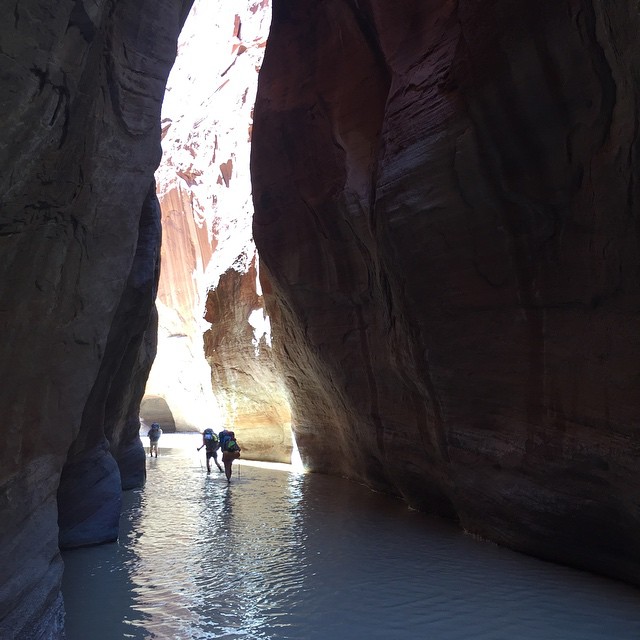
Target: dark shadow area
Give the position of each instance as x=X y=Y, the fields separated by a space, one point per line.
x=97 y=584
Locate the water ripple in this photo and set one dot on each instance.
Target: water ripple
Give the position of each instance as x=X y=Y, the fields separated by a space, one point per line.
x=283 y=556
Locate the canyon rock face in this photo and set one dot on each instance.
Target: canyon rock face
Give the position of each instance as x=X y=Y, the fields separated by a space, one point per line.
x=79 y=239
x=208 y=283
x=238 y=348
x=446 y=209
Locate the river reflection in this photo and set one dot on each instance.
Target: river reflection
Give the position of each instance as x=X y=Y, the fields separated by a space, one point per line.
x=286 y=556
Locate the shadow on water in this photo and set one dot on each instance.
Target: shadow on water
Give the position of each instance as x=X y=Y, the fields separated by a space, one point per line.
x=97 y=587
x=286 y=556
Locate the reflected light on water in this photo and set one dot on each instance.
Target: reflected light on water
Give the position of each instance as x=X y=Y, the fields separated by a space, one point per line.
x=284 y=555
x=296 y=460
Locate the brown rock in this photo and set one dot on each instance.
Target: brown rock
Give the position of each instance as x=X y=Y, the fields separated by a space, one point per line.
x=209 y=261
x=243 y=372
x=447 y=208
x=155 y=409
x=82 y=87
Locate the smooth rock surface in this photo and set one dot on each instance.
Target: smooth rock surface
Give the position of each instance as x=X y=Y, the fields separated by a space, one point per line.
x=82 y=88
x=446 y=201
x=89 y=499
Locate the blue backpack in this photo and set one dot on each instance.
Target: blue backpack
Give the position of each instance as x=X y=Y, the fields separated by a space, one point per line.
x=154 y=433
x=227 y=441
x=210 y=439
x=222 y=438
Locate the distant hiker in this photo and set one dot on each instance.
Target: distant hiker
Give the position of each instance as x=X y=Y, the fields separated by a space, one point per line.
x=212 y=443
x=154 y=435
x=230 y=450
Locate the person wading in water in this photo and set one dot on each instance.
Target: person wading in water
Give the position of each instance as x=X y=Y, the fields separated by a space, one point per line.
x=212 y=443
x=230 y=450
x=154 y=435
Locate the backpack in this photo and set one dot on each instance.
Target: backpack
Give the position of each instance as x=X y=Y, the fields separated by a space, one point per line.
x=154 y=432
x=209 y=438
x=228 y=441
x=223 y=436
x=231 y=445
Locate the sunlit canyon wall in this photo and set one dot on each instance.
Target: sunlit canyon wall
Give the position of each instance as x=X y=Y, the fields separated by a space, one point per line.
x=447 y=212
x=82 y=86
x=214 y=365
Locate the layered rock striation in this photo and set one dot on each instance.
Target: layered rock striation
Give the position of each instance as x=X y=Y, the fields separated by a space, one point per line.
x=79 y=238
x=446 y=210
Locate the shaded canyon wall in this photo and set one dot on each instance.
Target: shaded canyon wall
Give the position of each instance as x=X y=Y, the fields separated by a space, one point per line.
x=79 y=243
x=446 y=209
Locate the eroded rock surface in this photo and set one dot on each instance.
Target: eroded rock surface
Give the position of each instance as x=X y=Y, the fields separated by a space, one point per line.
x=208 y=285
x=82 y=88
x=446 y=203
x=247 y=384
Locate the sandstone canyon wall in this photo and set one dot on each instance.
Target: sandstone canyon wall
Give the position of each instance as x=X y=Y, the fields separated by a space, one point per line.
x=214 y=366
x=447 y=210
x=79 y=241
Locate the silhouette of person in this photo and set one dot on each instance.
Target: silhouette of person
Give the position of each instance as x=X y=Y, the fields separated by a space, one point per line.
x=212 y=443
x=154 y=435
x=230 y=450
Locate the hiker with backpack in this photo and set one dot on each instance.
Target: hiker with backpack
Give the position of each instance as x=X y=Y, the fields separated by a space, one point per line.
x=230 y=450
x=212 y=443
x=154 y=435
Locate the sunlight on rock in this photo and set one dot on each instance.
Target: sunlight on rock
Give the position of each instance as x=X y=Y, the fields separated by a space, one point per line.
x=261 y=324
x=210 y=287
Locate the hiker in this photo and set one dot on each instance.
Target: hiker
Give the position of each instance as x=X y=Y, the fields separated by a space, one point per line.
x=212 y=443
x=154 y=435
x=230 y=450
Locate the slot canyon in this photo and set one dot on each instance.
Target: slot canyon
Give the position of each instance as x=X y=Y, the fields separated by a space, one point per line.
x=443 y=297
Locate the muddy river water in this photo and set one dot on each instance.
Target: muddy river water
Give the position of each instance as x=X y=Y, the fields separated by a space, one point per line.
x=283 y=555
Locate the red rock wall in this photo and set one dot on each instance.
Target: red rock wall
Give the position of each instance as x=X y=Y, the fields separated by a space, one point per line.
x=209 y=261
x=446 y=201
x=243 y=372
x=82 y=88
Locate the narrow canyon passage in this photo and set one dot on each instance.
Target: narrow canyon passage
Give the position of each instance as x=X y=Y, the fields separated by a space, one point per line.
x=284 y=555
x=437 y=291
